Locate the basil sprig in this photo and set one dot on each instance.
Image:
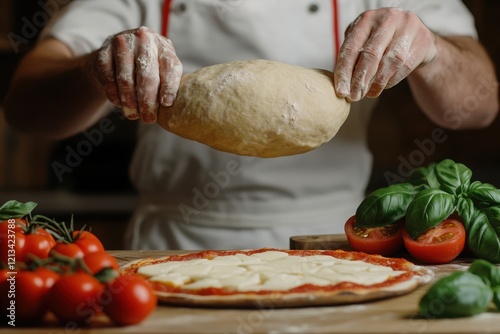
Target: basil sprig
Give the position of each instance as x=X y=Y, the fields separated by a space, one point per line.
x=428 y=208
x=454 y=178
x=386 y=205
x=463 y=293
x=430 y=195
x=14 y=209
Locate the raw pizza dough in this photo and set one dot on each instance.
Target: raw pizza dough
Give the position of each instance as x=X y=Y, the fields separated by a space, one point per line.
x=257 y=108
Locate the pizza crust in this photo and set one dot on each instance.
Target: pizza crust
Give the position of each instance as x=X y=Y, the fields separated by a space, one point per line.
x=257 y=108
x=316 y=298
x=285 y=299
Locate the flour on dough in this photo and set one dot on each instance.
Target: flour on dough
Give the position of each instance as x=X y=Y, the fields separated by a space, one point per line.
x=258 y=108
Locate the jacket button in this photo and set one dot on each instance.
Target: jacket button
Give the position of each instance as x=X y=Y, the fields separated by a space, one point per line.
x=313 y=8
x=181 y=8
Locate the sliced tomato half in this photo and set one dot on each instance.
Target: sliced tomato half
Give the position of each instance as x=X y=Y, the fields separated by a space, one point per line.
x=437 y=245
x=386 y=240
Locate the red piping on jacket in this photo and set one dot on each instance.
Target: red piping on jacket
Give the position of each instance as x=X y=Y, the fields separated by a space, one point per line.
x=336 y=29
x=165 y=17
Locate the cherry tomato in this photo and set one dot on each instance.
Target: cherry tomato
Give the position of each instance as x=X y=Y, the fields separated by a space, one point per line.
x=385 y=240
x=69 y=250
x=5 y=284
x=12 y=240
x=437 y=245
x=128 y=300
x=30 y=296
x=7 y=291
x=97 y=261
x=16 y=224
x=4 y=274
x=49 y=277
x=20 y=240
x=38 y=244
x=74 y=298
x=87 y=241
x=29 y=293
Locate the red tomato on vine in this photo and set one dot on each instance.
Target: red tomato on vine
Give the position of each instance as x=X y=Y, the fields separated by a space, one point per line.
x=20 y=240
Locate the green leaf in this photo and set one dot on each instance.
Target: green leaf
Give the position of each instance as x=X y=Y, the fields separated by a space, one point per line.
x=106 y=275
x=484 y=194
x=493 y=215
x=429 y=208
x=385 y=205
x=424 y=177
x=15 y=209
x=483 y=229
x=487 y=271
x=453 y=177
x=460 y=294
x=496 y=297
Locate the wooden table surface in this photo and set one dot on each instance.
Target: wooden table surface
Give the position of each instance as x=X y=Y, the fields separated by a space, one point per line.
x=394 y=315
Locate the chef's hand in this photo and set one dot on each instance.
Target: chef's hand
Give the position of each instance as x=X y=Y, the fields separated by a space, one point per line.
x=381 y=48
x=139 y=71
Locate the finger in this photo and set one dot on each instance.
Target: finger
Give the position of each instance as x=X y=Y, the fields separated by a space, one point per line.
x=106 y=73
x=404 y=70
x=398 y=77
x=147 y=79
x=356 y=36
x=170 y=72
x=124 y=63
x=412 y=46
x=383 y=54
x=368 y=64
x=392 y=65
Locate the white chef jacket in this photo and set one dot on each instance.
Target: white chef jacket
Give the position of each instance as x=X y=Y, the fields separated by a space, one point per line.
x=194 y=197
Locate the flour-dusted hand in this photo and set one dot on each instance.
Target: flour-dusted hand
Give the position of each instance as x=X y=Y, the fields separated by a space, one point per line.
x=381 y=48
x=139 y=70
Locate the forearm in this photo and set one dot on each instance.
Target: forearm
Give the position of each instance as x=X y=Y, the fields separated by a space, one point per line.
x=458 y=89
x=54 y=96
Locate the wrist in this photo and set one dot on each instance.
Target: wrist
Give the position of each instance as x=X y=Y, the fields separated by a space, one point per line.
x=430 y=67
x=89 y=70
x=434 y=50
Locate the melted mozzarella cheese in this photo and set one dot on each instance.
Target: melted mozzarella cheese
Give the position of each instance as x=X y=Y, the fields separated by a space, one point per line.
x=270 y=270
x=174 y=279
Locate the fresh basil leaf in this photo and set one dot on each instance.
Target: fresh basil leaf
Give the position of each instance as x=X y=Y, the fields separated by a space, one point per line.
x=385 y=206
x=453 y=177
x=460 y=294
x=424 y=177
x=483 y=229
x=489 y=273
x=496 y=297
x=15 y=209
x=429 y=208
x=484 y=194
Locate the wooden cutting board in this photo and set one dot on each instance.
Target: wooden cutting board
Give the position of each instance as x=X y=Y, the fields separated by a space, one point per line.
x=322 y=241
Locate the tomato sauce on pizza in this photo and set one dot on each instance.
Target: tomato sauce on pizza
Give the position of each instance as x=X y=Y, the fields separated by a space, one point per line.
x=304 y=277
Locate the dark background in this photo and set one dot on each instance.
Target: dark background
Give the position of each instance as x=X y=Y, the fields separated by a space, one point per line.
x=398 y=122
x=98 y=191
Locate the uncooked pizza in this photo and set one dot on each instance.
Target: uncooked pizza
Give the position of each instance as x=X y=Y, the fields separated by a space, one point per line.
x=277 y=278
